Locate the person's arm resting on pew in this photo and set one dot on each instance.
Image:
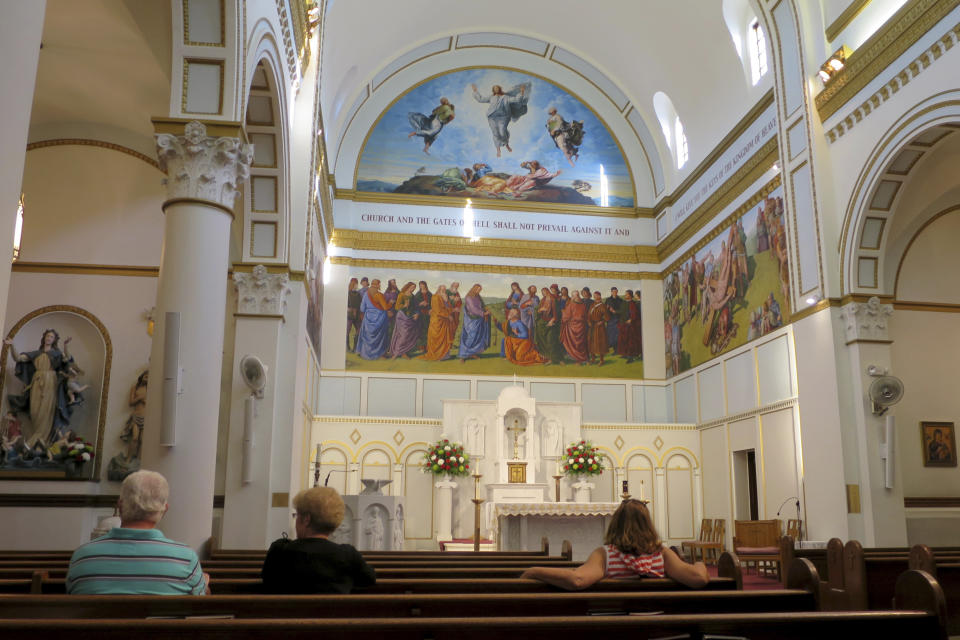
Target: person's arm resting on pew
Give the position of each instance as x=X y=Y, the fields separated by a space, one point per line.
x=577 y=579
x=693 y=575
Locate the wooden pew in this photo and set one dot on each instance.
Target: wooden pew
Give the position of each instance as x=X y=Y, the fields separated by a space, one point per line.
x=757 y=626
x=48 y=607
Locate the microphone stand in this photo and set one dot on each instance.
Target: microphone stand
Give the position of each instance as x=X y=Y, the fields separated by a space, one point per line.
x=332 y=471
x=799 y=521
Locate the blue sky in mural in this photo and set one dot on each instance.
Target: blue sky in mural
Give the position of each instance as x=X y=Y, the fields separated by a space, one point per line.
x=390 y=158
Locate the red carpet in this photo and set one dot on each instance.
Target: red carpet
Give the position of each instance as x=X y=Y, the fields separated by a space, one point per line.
x=752 y=581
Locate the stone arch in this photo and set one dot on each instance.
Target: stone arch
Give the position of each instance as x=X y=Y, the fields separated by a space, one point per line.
x=864 y=247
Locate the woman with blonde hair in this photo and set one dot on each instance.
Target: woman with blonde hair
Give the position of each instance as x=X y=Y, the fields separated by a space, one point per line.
x=631 y=548
x=313 y=563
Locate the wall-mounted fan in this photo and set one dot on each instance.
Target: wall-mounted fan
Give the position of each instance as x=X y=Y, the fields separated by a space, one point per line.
x=254 y=375
x=884 y=392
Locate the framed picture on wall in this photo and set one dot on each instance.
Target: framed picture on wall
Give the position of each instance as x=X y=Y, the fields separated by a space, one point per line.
x=939 y=444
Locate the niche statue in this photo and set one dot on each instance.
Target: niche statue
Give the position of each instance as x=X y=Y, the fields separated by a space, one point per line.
x=128 y=460
x=51 y=391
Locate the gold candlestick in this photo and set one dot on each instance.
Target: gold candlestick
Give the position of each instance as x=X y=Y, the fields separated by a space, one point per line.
x=477 y=501
x=556 y=479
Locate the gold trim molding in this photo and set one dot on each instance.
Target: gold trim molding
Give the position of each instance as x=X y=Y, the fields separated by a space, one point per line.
x=640 y=427
x=503 y=248
x=491 y=268
x=898 y=34
x=849 y=15
x=86 y=142
x=215 y=128
x=752 y=413
x=897 y=82
x=427 y=422
x=86 y=269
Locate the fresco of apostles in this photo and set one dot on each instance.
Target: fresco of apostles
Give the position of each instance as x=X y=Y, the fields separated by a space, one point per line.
x=404 y=325
x=492 y=133
x=731 y=291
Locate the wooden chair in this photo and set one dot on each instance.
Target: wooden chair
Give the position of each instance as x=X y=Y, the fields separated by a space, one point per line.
x=758 y=541
x=706 y=537
x=793 y=528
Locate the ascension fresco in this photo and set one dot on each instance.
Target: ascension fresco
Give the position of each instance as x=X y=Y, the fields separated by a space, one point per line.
x=731 y=291
x=492 y=325
x=496 y=134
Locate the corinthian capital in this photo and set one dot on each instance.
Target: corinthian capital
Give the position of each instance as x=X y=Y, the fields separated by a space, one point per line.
x=261 y=293
x=866 y=320
x=201 y=167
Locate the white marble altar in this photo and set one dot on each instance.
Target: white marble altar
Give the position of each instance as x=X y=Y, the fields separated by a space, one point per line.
x=520 y=526
x=372 y=522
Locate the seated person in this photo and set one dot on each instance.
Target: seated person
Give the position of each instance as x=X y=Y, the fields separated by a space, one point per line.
x=631 y=549
x=313 y=563
x=135 y=558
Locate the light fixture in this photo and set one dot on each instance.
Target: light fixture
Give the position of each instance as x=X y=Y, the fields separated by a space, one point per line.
x=834 y=64
x=468 y=230
x=18 y=229
x=814 y=299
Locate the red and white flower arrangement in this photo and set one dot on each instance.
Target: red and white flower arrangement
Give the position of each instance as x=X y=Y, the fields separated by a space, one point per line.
x=78 y=450
x=582 y=459
x=446 y=458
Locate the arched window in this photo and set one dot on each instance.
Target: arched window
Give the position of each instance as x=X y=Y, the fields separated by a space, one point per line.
x=681 y=143
x=757 y=44
x=18 y=230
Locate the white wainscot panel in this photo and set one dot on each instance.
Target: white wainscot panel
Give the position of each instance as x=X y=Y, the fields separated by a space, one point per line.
x=417 y=486
x=490 y=389
x=711 y=393
x=339 y=397
x=553 y=392
x=679 y=499
x=686 y=393
x=391 y=397
x=741 y=373
x=638 y=408
x=604 y=402
x=793 y=82
x=773 y=369
x=436 y=391
x=715 y=464
x=657 y=404
x=808 y=245
x=779 y=462
x=743 y=434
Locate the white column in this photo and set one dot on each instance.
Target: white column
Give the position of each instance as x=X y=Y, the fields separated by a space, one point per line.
x=660 y=499
x=20 y=31
x=353 y=479
x=261 y=303
x=202 y=178
x=868 y=344
x=445 y=509
x=397 y=485
x=697 y=496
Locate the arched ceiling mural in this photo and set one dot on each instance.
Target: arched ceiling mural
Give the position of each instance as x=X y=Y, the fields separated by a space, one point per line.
x=495 y=133
x=629 y=50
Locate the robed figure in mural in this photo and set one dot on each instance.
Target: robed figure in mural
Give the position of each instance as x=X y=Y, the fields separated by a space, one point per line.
x=505 y=107
x=44 y=374
x=374 y=329
x=628 y=337
x=598 y=317
x=517 y=343
x=405 y=330
x=429 y=127
x=573 y=331
x=439 y=336
x=567 y=136
x=475 y=334
x=546 y=336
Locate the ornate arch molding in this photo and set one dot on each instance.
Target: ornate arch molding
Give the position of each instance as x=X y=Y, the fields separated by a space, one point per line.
x=856 y=247
x=107 y=363
x=625 y=121
x=89 y=142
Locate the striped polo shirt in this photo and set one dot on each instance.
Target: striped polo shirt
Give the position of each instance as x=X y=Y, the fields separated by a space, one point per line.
x=135 y=561
x=626 y=565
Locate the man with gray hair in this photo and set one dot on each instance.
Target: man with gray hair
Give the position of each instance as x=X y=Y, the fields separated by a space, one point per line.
x=136 y=558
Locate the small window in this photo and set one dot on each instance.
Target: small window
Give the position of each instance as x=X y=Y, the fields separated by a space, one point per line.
x=681 y=143
x=18 y=230
x=758 y=51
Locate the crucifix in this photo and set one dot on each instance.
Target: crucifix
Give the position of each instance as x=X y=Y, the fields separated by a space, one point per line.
x=517 y=429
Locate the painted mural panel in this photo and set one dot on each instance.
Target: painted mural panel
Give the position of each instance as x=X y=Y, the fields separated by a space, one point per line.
x=490 y=133
x=314 y=277
x=733 y=290
x=487 y=324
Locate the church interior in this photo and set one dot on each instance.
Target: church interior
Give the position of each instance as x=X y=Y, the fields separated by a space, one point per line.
x=299 y=242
